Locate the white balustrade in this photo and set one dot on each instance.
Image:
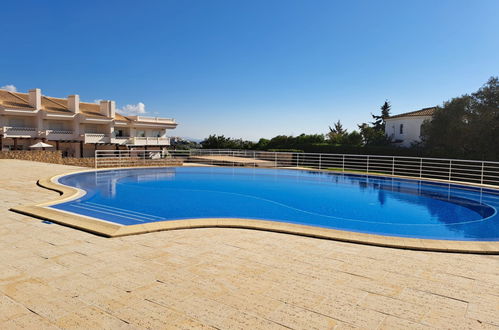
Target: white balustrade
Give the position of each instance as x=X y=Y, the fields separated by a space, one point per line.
x=149 y=141
x=53 y=134
x=440 y=169
x=8 y=131
x=96 y=138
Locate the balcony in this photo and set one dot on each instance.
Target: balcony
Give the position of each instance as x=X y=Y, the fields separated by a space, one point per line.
x=55 y=135
x=149 y=141
x=19 y=132
x=121 y=140
x=96 y=138
x=156 y=120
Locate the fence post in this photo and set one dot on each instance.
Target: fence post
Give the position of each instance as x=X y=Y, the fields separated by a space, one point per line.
x=367 y=164
x=450 y=170
x=393 y=165
x=481 y=176
x=297 y=159
x=420 y=168
x=275 y=159
x=343 y=164
x=320 y=161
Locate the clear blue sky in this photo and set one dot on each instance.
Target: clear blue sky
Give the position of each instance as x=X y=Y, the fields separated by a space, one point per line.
x=252 y=68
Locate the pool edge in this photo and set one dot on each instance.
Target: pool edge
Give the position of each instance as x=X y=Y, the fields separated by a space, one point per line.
x=109 y=229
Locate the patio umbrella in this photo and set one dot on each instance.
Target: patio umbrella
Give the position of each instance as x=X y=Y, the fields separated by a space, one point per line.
x=41 y=145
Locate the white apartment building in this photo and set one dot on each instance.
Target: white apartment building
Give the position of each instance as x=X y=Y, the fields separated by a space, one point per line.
x=405 y=129
x=76 y=128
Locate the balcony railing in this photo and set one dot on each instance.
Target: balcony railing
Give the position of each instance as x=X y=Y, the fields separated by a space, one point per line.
x=122 y=140
x=53 y=134
x=96 y=138
x=158 y=120
x=149 y=141
x=19 y=131
x=32 y=132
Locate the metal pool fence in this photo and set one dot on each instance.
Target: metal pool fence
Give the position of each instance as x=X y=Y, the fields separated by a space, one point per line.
x=482 y=172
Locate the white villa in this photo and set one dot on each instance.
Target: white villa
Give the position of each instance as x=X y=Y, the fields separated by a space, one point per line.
x=405 y=129
x=76 y=128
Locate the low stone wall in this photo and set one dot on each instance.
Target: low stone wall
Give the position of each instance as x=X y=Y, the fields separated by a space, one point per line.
x=83 y=162
x=44 y=156
x=55 y=157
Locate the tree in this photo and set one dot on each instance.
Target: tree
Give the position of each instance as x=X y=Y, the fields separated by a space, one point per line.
x=375 y=135
x=466 y=126
x=262 y=144
x=353 y=139
x=337 y=134
x=379 y=121
x=372 y=136
x=338 y=128
x=222 y=142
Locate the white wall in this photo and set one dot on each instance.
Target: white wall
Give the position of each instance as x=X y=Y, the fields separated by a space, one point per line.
x=411 y=132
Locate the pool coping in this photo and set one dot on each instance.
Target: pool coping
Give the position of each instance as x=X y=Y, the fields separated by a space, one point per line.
x=110 y=229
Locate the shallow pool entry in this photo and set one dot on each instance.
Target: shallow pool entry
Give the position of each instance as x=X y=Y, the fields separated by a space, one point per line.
x=358 y=203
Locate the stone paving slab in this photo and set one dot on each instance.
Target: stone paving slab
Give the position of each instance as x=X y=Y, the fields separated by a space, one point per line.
x=55 y=277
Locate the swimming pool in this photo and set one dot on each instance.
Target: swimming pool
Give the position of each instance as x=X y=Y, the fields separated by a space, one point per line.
x=356 y=203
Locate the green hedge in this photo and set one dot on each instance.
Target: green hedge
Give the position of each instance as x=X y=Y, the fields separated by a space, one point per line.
x=365 y=150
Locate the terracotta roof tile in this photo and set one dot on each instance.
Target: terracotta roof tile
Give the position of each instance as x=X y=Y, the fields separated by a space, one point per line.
x=422 y=112
x=91 y=109
x=14 y=100
x=121 y=117
x=19 y=101
x=53 y=104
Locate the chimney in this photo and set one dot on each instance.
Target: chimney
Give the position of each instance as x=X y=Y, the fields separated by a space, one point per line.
x=112 y=109
x=35 y=98
x=107 y=108
x=74 y=103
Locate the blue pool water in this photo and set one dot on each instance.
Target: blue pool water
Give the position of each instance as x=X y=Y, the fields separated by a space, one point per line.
x=366 y=204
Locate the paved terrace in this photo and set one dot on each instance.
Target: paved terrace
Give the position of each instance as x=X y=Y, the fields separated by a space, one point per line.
x=57 y=277
x=230 y=160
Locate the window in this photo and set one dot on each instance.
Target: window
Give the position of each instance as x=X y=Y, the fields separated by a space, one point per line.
x=92 y=129
x=16 y=122
x=156 y=133
x=56 y=126
x=401 y=128
x=119 y=133
x=141 y=133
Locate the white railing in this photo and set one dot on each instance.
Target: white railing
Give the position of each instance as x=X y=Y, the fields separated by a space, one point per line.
x=8 y=131
x=58 y=134
x=149 y=141
x=472 y=171
x=120 y=140
x=56 y=131
x=153 y=119
x=128 y=158
x=96 y=138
